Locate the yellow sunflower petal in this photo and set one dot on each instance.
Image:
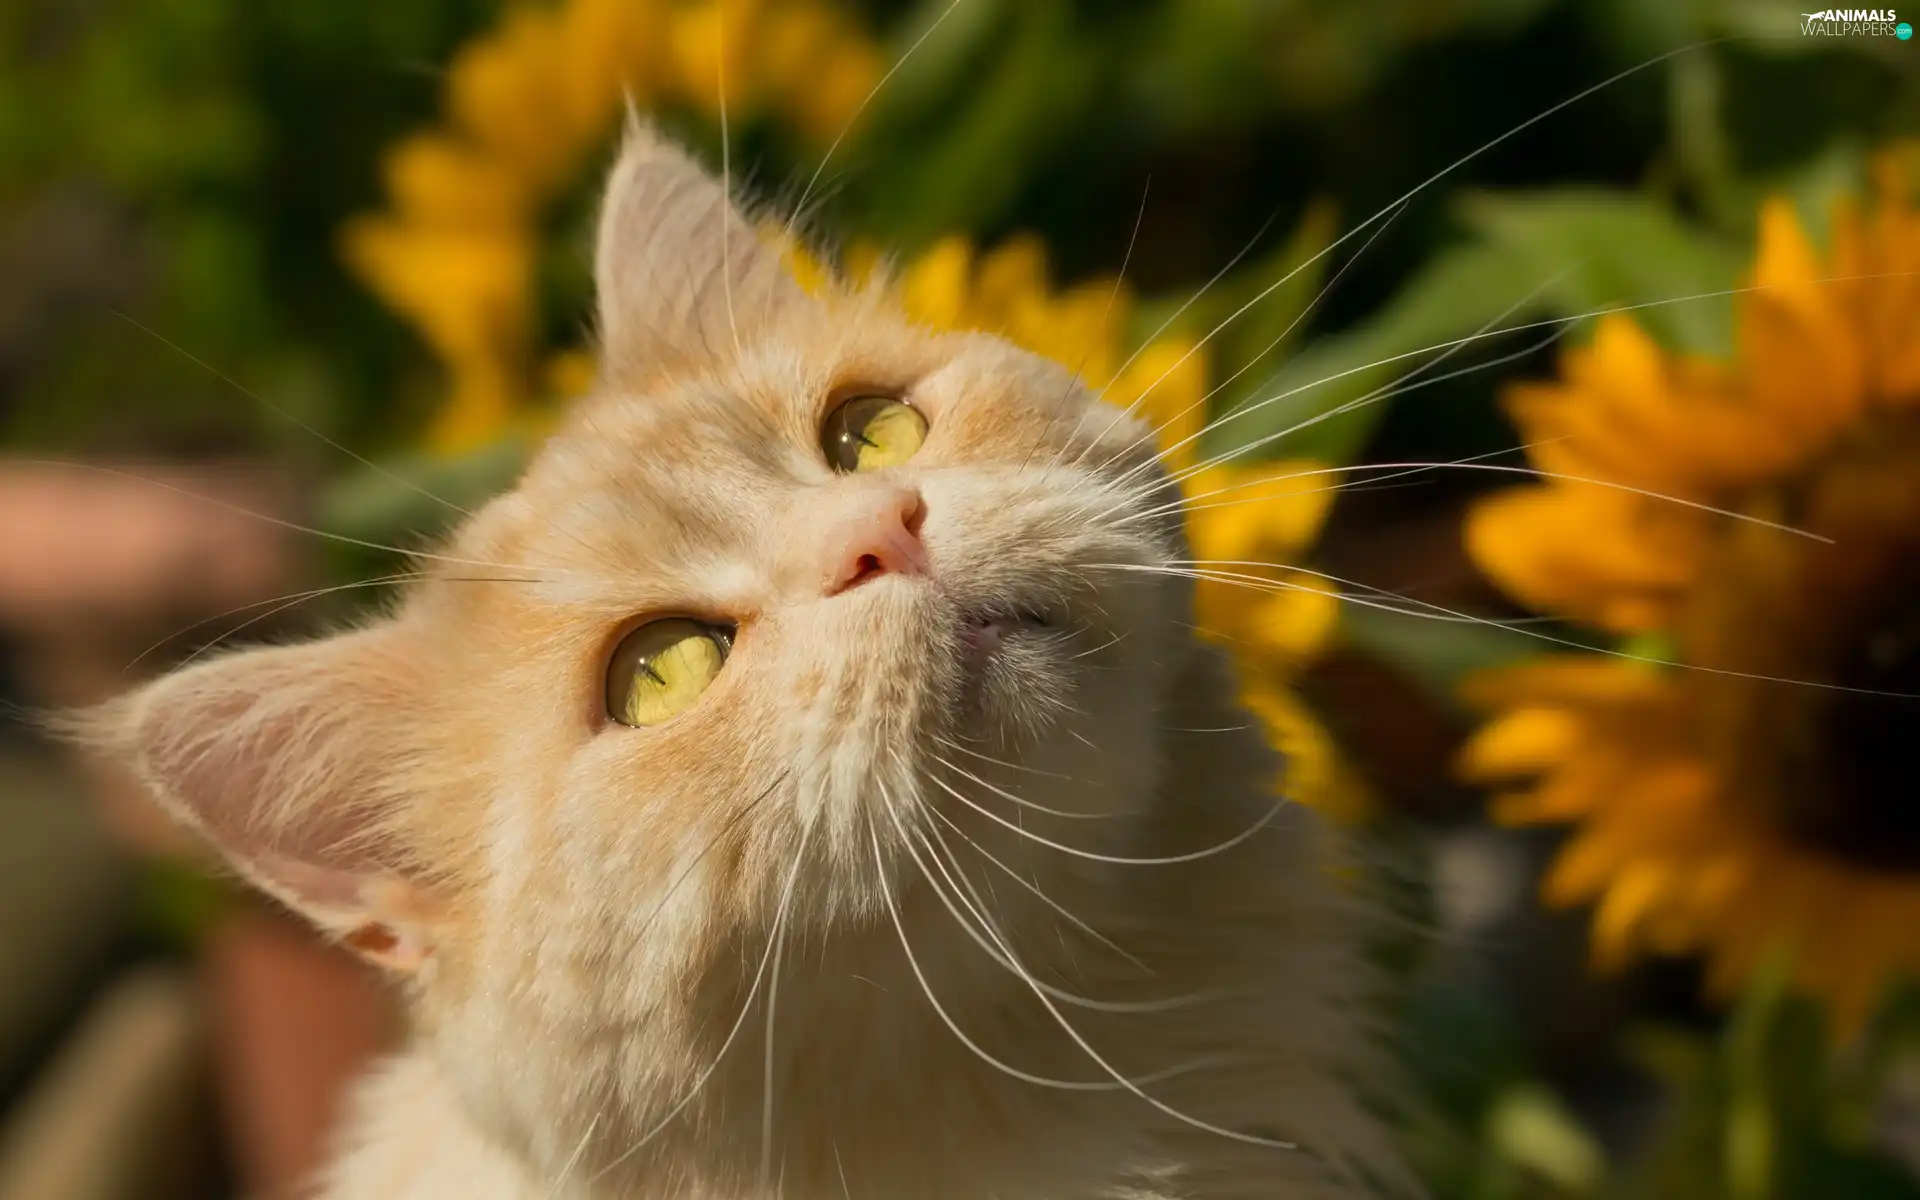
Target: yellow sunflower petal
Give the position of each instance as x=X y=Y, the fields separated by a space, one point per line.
x=1804 y=365
x=1166 y=385
x=844 y=78
x=1597 y=554
x=1634 y=896
x=1268 y=513
x=1523 y=741
x=1314 y=773
x=935 y=288
x=1279 y=626
x=438 y=179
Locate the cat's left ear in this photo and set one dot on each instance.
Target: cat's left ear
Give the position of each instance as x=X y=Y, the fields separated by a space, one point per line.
x=291 y=762
x=680 y=273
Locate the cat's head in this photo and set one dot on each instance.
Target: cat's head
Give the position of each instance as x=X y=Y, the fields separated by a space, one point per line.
x=802 y=590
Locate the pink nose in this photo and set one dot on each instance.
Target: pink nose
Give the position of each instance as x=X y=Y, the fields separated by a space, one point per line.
x=875 y=533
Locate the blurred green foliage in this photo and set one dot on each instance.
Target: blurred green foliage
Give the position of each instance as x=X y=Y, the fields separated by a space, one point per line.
x=185 y=164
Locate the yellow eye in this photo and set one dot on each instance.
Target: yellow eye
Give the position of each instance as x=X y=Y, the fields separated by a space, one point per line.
x=661 y=668
x=870 y=432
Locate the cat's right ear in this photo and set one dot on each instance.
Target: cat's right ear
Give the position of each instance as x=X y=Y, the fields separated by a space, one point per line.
x=680 y=273
x=290 y=761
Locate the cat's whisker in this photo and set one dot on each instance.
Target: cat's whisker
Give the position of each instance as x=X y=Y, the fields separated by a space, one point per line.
x=293 y=526
x=1306 y=310
x=725 y=212
x=1470 y=464
x=1402 y=384
x=1113 y=296
x=1052 y=812
x=289 y=417
x=766 y=1109
x=726 y=830
x=573 y=1160
x=853 y=121
x=974 y=914
x=1396 y=470
x=952 y=744
x=1112 y=641
x=1393 y=205
x=296 y=597
x=957 y=880
x=926 y=987
x=284 y=414
x=1270 y=586
x=1130 y=1085
x=1168 y=323
x=276 y=609
x=1072 y=919
x=1482 y=335
x=746 y=1008
x=284 y=602
x=1442 y=613
x=1118 y=860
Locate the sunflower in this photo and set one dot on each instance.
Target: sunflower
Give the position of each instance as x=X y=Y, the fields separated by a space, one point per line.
x=457 y=249
x=1748 y=791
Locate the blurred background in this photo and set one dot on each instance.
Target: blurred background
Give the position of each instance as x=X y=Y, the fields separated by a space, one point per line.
x=270 y=272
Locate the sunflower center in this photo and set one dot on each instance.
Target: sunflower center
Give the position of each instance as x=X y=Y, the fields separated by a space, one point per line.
x=1826 y=747
x=1870 y=738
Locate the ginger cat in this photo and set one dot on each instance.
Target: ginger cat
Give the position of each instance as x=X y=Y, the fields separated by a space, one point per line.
x=804 y=783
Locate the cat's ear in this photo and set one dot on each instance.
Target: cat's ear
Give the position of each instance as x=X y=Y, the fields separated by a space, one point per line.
x=680 y=273
x=288 y=761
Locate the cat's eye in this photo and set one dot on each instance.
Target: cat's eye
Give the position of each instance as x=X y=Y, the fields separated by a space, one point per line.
x=869 y=432
x=661 y=668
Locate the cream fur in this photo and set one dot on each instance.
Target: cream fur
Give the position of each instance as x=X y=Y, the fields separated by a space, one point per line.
x=584 y=914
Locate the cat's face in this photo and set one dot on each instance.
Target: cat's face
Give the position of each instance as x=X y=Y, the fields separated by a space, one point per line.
x=736 y=616
x=801 y=591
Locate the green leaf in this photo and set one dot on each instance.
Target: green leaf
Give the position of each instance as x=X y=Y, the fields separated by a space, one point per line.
x=1437 y=653
x=1561 y=253
x=416 y=498
x=1267 y=304
x=966 y=172
x=1604 y=248
x=1326 y=401
x=936 y=48
x=1530 y=1127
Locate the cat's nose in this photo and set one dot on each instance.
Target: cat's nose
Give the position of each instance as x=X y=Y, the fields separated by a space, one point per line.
x=875 y=532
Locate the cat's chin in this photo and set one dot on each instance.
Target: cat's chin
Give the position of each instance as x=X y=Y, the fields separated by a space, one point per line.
x=1013 y=665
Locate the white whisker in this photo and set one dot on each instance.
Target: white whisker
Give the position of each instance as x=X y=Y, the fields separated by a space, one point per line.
x=1006 y=795
x=957 y=881
x=1168 y=860
x=295 y=527
x=746 y=1007
x=834 y=147
x=573 y=1159
x=1440 y=612
x=1130 y=1085
x=1050 y=902
x=913 y=962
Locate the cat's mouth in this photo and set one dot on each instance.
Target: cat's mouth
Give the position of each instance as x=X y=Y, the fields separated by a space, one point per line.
x=986 y=631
